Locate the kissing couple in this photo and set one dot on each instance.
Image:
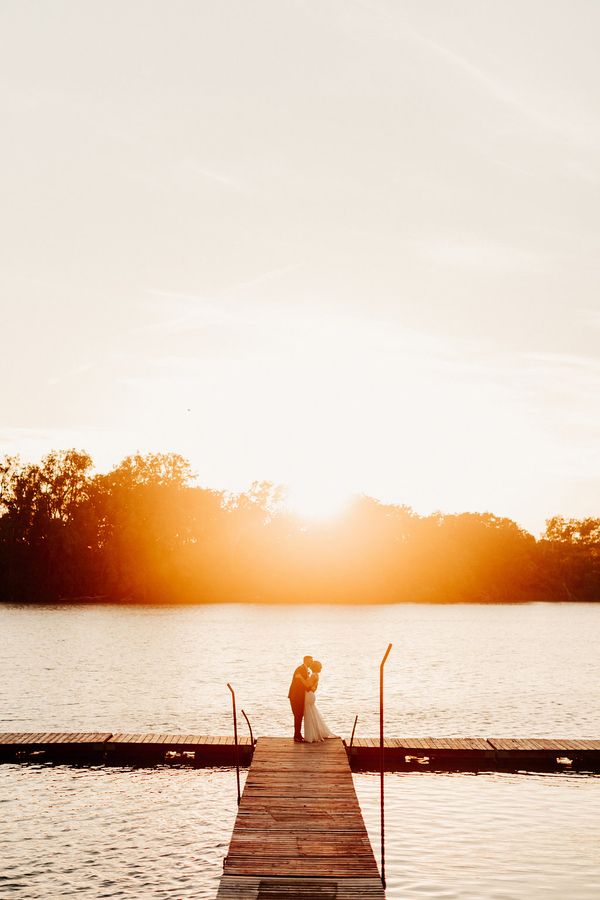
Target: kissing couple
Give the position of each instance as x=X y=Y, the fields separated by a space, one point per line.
x=305 y=682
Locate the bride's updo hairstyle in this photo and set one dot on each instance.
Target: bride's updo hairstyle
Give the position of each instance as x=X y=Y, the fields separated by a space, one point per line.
x=316 y=666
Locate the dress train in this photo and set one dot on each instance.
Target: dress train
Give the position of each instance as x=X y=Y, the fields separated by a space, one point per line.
x=315 y=728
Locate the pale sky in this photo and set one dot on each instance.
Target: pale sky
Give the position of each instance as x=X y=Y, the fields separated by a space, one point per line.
x=345 y=245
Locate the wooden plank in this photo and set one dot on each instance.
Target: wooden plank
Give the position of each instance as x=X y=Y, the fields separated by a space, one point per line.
x=38 y=737
x=335 y=867
x=273 y=888
x=441 y=743
x=18 y=738
x=544 y=744
x=504 y=743
x=49 y=738
x=591 y=745
x=415 y=743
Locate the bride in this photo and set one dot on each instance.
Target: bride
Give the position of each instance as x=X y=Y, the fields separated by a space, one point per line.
x=315 y=728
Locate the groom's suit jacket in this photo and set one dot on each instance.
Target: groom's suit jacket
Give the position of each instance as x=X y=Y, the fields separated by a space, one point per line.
x=297 y=691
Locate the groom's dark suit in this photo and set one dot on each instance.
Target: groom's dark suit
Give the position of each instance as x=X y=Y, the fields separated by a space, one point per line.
x=297 y=695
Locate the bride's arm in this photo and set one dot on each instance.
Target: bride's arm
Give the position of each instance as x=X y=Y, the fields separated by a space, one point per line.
x=305 y=681
x=312 y=683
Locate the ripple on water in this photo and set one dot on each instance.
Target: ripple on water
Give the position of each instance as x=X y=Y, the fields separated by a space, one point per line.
x=488 y=836
x=114 y=832
x=135 y=833
x=503 y=670
x=454 y=670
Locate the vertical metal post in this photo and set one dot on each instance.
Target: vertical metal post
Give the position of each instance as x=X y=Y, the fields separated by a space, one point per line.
x=250 y=728
x=237 y=750
x=353 y=730
x=382 y=763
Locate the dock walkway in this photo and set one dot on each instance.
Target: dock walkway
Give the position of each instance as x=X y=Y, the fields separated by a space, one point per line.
x=299 y=831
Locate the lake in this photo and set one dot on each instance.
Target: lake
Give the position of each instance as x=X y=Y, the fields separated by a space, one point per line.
x=526 y=670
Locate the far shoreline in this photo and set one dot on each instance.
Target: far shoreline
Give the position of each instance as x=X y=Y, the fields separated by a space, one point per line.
x=168 y=604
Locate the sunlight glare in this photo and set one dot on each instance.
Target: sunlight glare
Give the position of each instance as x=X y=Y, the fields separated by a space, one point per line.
x=317 y=501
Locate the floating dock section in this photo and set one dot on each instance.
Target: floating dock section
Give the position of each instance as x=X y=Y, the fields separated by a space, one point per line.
x=299 y=831
x=124 y=749
x=401 y=754
x=476 y=754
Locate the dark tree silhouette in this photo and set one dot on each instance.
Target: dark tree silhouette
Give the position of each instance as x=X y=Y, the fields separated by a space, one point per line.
x=145 y=532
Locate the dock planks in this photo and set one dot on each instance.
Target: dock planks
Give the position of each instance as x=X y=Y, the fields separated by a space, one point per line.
x=401 y=754
x=124 y=748
x=477 y=754
x=299 y=831
x=45 y=738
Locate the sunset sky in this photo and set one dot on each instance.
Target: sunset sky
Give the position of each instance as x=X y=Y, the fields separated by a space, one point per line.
x=351 y=246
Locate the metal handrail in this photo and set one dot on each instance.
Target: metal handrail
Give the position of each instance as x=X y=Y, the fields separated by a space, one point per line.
x=237 y=749
x=352 y=735
x=382 y=763
x=249 y=726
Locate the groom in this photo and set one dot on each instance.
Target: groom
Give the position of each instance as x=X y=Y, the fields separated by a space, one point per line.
x=297 y=693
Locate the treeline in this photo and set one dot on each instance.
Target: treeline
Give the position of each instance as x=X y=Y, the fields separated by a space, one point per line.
x=145 y=533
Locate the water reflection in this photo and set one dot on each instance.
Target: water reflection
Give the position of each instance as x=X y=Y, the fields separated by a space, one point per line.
x=487 y=837
x=113 y=832
x=135 y=833
x=454 y=670
x=459 y=670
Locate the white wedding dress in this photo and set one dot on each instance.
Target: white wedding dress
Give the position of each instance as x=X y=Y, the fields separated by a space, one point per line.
x=315 y=728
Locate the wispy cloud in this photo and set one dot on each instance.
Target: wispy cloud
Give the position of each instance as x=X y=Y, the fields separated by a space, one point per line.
x=570 y=122
x=475 y=254
x=31 y=443
x=578 y=126
x=588 y=364
x=74 y=372
x=192 y=168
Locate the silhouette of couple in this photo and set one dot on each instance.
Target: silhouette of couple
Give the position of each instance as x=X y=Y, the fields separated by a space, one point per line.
x=305 y=682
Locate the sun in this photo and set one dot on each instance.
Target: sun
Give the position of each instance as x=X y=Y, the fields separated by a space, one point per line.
x=316 y=501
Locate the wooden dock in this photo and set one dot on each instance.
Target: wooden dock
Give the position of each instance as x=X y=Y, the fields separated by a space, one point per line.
x=402 y=754
x=299 y=831
x=124 y=748
x=477 y=754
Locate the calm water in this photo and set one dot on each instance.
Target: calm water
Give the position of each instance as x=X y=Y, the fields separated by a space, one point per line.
x=519 y=670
